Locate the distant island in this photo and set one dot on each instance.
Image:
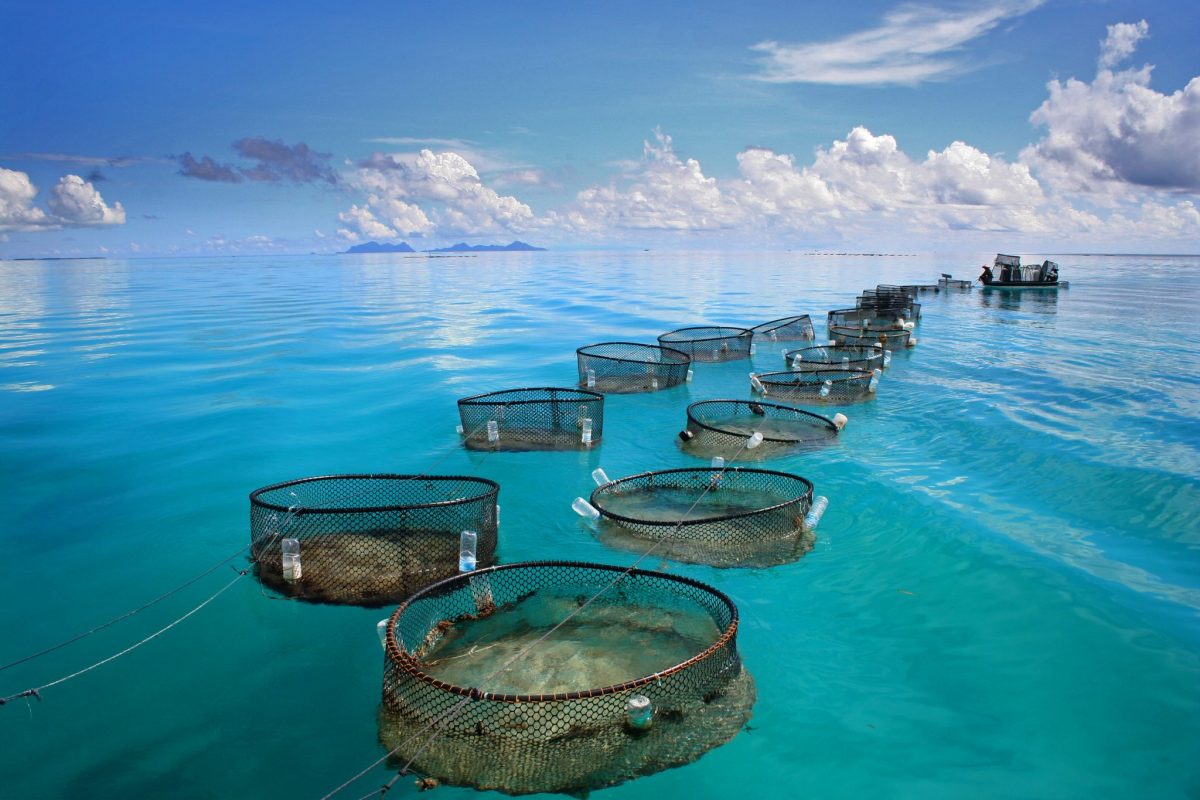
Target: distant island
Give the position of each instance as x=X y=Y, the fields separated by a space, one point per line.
x=375 y=247
x=463 y=247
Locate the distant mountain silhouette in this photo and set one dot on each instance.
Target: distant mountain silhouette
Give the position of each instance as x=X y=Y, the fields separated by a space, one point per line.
x=375 y=247
x=463 y=247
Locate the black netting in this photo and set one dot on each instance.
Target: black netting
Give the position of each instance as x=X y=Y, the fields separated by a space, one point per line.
x=875 y=318
x=819 y=386
x=368 y=539
x=710 y=343
x=481 y=689
x=921 y=288
x=721 y=428
x=787 y=329
x=532 y=419
x=888 y=339
x=736 y=517
x=843 y=357
x=623 y=367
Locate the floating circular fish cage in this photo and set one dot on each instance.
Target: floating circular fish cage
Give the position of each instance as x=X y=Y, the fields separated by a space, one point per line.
x=722 y=428
x=875 y=318
x=951 y=283
x=532 y=419
x=710 y=343
x=368 y=539
x=834 y=356
x=888 y=338
x=818 y=386
x=788 y=329
x=560 y=676
x=724 y=517
x=625 y=367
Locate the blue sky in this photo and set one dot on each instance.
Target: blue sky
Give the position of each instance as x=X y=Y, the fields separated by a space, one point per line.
x=139 y=129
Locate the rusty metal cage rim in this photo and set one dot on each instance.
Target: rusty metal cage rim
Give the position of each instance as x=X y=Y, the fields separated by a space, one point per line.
x=740 y=332
x=859 y=375
x=782 y=322
x=410 y=665
x=683 y=359
x=493 y=489
x=807 y=493
x=748 y=403
x=579 y=395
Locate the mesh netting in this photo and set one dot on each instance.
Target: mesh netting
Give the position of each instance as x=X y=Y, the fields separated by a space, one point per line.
x=900 y=302
x=368 y=539
x=623 y=367
x=721 y=427
x=787 y=329
x=921 y=288
x=951 y=283
x=532 y=419
x=480 y=691
x=877 y=318
x=818 y=386
x=739 y=517
x=710 y=343
x=844 y=357
x=889 y=339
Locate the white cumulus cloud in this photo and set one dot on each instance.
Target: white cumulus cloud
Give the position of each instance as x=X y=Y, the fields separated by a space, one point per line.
x=17 y=211
x=73 y=202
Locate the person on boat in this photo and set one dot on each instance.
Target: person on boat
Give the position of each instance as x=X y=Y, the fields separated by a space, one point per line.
x=986 y=277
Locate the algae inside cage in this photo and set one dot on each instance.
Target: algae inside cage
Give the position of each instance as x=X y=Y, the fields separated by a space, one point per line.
x=736 y=517
x=367 y=539
x=532 y=419
x=623 y=367
x=721 y=428
x=526 y=672
x=818 y=386
x=710 y=343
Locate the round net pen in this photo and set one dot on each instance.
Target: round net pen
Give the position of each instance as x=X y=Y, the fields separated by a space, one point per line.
x=735 y=517
x=833 y=386
x=787 y=329
x=843 y=357
x=877 y=318
x=559 y=676
x=368 y=539
x=532 y=419
x=921 y=288
x=947 y=282
x=888 y=339
x=625 y=367
x=710 y=343
x=721 y=428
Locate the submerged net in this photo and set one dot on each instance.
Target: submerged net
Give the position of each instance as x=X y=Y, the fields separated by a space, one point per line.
x=368 y=539
x=877 y=318
x=532 y=419
x=788 y=329
x=710 y=343
x=721 y=427
x=623 y=367
x=834 y=356
x=818 y=386
x=481 y=689
x=888 y=339
x=726 y=518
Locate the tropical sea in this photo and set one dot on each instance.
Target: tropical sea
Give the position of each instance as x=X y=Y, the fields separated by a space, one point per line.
x=1003 y=599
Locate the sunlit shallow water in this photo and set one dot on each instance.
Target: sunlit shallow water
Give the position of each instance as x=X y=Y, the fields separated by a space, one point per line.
x=1002 y=600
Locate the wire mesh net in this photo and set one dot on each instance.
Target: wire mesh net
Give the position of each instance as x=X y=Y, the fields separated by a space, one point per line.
x=736 y=517
x=819 y=386
x=624 y=367
x=721 y=427
x=951 y=283
x=710 y=343
x=844 y=357
x=481 y=689
x=888 y=339
x=787 y=329
x=367 y=539
x=532 y=419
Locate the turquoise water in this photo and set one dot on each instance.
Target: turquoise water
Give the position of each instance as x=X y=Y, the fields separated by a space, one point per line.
x=1003 y=599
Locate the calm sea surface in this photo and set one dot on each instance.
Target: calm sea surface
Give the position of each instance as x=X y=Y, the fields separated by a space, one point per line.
x=1003 y=599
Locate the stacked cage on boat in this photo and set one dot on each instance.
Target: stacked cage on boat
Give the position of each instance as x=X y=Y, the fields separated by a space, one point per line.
x=643 y=675
x=724 y=517
x=722 y=427
x=818 y=386
x=624 y=367
x=710 y=342
x=367 y=539
x=787 y=329
x=833 y=356
x=547 y=418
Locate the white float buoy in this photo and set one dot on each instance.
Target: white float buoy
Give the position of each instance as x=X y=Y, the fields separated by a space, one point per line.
x=585 y=435
x=600 y=476
x=840 y=420
x=291 y=560
x=754 y=441
x=591 y=379
x=584 y=509
x=815 y=512
x=639 y=712
x=381 y=632
x=826 y=388
x=493 y=431
x=467 y=541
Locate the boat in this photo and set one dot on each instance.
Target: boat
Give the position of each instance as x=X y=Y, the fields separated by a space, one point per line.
x=1007 y=273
